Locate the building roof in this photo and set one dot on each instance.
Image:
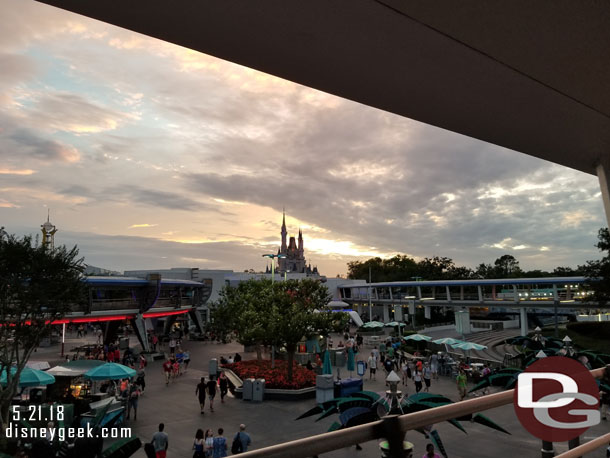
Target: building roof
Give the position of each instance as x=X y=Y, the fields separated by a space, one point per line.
x=482 y=282
x=134 y=281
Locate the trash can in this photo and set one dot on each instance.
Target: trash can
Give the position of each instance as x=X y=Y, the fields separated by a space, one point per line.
x=213 y=368
x=248 y=389
x=123 y=343
x=325 y=388
x=340 y=359
x=258 y=391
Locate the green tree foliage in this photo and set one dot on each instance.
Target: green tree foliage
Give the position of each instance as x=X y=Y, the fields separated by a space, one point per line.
x=600 y=270
x=37 y=286
x=259 y=312
x=405 y=268
x=507 y=266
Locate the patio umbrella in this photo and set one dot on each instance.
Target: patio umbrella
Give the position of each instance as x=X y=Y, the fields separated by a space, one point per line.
x=29 y=377
x=373 y=324
x=110 y=371
x=395 y=323
x=469 y=346
x=351 y=363
x=418 y=337
x=448 y=341
x=326 y=366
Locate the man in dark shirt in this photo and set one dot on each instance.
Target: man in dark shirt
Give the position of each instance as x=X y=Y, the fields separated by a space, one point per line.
x=200 y=392
x=211 y=389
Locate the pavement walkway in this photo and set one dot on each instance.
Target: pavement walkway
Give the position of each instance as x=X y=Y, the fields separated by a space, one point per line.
x=272 y=422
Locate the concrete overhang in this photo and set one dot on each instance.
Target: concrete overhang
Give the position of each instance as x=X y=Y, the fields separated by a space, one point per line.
x=532 y=76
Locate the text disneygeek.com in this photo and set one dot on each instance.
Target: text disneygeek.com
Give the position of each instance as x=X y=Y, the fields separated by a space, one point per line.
x=62 y=434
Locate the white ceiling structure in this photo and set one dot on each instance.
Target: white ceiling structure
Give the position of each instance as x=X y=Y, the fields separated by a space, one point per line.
x=530 y=76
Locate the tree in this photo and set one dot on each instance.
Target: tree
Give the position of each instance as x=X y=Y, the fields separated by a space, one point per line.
x=598 y=272
x=244 y=310
x=38 y=285
x=281 y=313
x=507 y=266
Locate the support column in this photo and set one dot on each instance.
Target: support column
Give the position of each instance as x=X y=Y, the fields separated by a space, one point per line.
x=386 y=313
x=427 y=312
x=196 y=317
x=139 y=328
x=523 y=320
x=448 y=292
x=480 y=290
x=603 y=174
x=398 y=312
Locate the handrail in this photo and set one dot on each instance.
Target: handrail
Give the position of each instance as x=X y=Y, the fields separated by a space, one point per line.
x=586 y=448
x=327 y=442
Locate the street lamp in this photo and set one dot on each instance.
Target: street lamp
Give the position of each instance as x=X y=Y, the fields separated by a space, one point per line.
x=286 y=272
x=272 y=257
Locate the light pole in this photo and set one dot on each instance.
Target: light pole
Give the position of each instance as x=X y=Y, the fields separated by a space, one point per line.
x=272 y=257
x=286 y=274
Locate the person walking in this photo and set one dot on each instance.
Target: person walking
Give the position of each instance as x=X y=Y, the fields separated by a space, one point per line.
x=200 y=393
x=430 y=453
x=132 y=402
x=461 y=384
x=160 y=442
x=186 y=359
x=209 y=443
x=220 y=445
x=243 y=437
x=167 y=371
x=172 y=345
x=223 y=383
x=199 y=445
x=434 y=366
x=211 y=389
x=417 y=376
x=372 y=363
x=427 y=375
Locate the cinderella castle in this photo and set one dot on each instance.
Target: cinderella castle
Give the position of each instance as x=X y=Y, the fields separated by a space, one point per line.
x=294 y=260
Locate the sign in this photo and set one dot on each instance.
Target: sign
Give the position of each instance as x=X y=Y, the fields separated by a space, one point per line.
x=557 y=399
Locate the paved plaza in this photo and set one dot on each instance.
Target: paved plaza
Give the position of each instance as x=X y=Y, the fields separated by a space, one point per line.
x=272 y=422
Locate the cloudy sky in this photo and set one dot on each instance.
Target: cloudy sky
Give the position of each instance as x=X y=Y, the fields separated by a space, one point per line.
x=150 y=155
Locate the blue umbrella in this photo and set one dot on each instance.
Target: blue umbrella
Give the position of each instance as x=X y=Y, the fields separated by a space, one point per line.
x=110 y=371
x=29 y=377
x=327 y=368
x=351 y=361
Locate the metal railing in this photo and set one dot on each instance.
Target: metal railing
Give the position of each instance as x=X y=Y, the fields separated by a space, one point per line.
x=393 y=428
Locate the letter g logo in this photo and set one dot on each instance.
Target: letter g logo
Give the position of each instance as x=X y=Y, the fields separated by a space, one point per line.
x=556 y=399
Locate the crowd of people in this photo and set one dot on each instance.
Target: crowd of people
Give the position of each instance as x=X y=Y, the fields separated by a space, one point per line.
x=205 y=445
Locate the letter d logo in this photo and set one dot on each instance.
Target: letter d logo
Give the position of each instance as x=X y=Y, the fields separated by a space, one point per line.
x=556 y=399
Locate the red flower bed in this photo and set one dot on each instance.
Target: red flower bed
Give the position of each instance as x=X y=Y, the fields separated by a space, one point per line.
x=274 y=378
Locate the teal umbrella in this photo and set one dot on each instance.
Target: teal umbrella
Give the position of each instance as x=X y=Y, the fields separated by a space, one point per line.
x=448 y=341
x=469 y=346
x=110 y=371
x=373 y=324
x=351 y=361
x=327 y=368
x=29 y=377
x=395 y=323
x=417 y=337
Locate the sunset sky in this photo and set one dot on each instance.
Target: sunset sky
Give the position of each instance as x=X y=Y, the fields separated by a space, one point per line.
x=150 y=155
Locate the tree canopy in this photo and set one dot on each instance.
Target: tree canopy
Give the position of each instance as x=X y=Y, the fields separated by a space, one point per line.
x=260 y=312
x=404 y=268
x=600 y=270
x=38 y=285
